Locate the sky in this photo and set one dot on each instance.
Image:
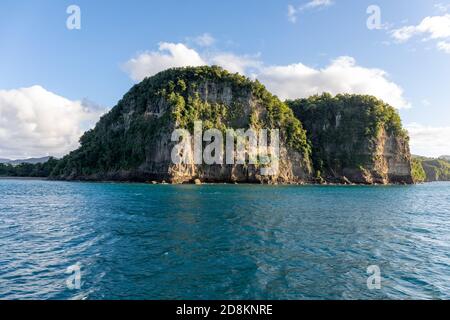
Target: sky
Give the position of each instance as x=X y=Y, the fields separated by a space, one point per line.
x=60 y=70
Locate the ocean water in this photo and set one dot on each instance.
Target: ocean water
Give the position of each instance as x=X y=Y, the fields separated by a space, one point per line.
x=136 y=241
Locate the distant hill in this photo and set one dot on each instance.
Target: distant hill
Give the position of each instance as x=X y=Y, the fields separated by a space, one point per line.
x=431 y=169
x=34 y=167
x=29 y=160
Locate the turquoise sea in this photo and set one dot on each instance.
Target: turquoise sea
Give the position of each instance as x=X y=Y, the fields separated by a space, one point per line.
x=137 y=241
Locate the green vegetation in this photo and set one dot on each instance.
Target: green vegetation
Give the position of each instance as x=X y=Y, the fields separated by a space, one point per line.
x=417 y=171
x=343 y=129
x=343 y=133
x=434 y=169
x=28 y=169
x=124 y=137
x=188 y=106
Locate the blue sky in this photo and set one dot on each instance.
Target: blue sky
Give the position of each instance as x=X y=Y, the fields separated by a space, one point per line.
x=41 y=60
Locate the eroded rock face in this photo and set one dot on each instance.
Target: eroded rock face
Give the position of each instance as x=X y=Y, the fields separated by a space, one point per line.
x=293 y=166
x=133 y=141
x=356 y=139
x=388 y=161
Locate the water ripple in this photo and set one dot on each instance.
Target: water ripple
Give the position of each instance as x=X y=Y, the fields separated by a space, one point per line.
x=223 y=241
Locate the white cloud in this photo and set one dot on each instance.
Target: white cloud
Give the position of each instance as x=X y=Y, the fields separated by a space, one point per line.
x=172 y=55
x=292 y=14
x=429 y=141
x=235 y=63
x=204 y=40
x=426 y=102
x=35 y=122
x=169 y=55
x=444 y=46
x=313 y=4
x=442 y=7
x=342 y=75
x=318 y=3
x=403 y=34
x=436 y=27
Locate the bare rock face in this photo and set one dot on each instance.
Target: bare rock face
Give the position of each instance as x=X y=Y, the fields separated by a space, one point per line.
x=355 y=138
x=133 y=141
x=388 y=161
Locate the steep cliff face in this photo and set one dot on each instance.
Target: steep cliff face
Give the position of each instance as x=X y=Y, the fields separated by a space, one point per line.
x=133 y=141
x=348 y=138
x=355 y=139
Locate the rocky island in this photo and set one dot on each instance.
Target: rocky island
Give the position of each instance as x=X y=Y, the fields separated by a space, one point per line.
x=342 y=139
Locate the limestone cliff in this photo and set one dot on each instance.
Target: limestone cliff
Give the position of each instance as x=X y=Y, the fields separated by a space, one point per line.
x=348 y=138
x=355 y=139
x=133 y=141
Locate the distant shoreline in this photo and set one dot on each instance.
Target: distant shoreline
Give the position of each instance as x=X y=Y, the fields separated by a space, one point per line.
x=22 y=178
x=207 y=183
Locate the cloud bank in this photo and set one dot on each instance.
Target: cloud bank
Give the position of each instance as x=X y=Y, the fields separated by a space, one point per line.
x=35 y=122
x=429 y=141
x=342 y=75
x=169 y=55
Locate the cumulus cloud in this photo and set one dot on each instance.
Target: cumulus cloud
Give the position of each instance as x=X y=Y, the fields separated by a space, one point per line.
x=403 y=34
x=429 y=141
x=430 y=28
x=35 y=122
x=436 y=27
x=236 y=63
x=342 y=75
x=169 y=55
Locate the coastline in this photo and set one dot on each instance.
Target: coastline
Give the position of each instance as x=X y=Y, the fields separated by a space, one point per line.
x=214 y=183
x=306 y=184
x=23 y=178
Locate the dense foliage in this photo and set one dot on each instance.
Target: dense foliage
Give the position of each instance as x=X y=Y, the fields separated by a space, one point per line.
x=434 y=169
x=343 y=128
x=28 y=169
x=417 y=171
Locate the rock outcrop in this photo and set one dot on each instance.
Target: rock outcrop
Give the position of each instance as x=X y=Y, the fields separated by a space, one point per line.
x=133 y=141
x=348 y=138
x=355 y=138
